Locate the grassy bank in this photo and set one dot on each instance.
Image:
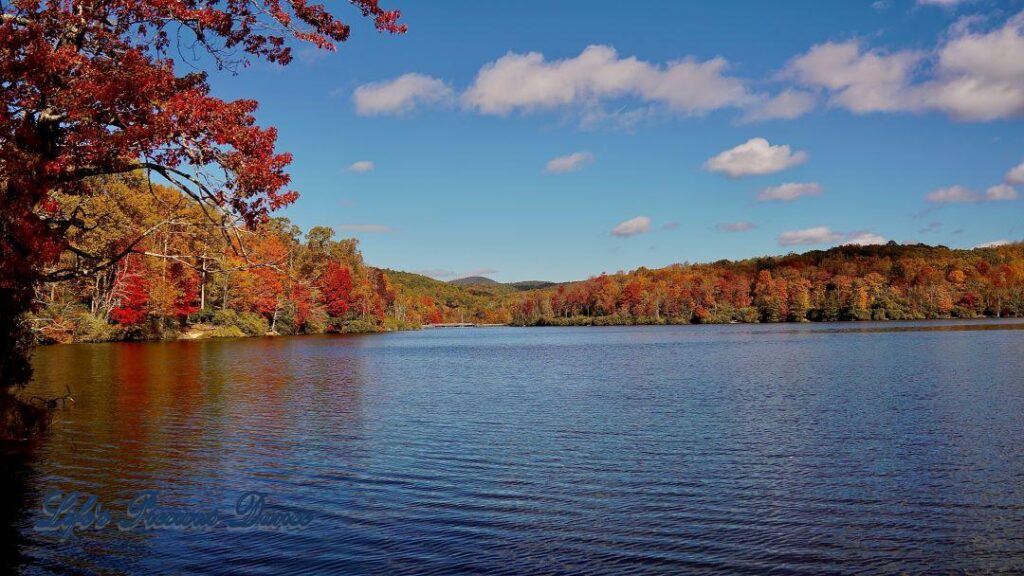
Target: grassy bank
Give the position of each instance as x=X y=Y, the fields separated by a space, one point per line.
x=77 y=324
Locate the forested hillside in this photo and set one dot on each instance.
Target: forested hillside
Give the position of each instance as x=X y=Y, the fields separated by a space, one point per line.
x=190 y=275
x=884 y=282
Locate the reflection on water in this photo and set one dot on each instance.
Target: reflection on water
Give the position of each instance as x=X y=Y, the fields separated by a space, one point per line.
x=738 y=449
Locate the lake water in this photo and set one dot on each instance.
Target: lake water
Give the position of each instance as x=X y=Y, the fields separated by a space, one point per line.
x=845 y=448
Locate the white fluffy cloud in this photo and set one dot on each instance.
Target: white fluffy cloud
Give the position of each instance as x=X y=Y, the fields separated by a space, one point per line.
x=993 y=244
x=361 y=166
x=981 y=75
x=526 y=82
x=633 y=226
x=825 y=235
x=400 y=95
x=864 y=239
x=755 y=157
x=1016 y=174
x=943 y=3
x=819 y=235
x=786 y=105
x=963 y=195
x=860 y=81
x=976 y=76
x=953 y=195
x=789 y=191
x=735 y=226
x=570 y=163
x=975 y=73
x=1001 y=192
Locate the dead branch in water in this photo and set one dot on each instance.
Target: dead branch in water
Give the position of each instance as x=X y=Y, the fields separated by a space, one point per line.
x=51 y=403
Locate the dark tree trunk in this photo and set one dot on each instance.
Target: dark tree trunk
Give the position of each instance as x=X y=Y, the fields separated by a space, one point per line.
x=25 y=247
x=17 y=418
x=15 y=339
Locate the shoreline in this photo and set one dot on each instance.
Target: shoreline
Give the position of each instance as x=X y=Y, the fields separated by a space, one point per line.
x=209 y=333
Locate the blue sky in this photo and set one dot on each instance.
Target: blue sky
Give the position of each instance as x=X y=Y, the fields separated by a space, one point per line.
x=687 y=131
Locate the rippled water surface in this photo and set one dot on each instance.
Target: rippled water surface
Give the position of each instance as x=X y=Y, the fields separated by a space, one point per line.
x=868 y=448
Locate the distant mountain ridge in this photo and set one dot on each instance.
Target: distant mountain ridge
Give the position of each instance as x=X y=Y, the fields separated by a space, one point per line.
x=850 y=282
x=485 y=281
x=474 y=281
x=525 y=285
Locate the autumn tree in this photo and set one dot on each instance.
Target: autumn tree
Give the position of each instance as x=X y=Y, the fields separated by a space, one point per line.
x=133 y=301
x=887 y=282
x=90 y=88
x=336 y=289
x=766 y=297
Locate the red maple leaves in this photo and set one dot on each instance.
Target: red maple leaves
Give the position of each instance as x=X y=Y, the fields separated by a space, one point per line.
x=90 y=88
x=134 y=298
x=336 y=289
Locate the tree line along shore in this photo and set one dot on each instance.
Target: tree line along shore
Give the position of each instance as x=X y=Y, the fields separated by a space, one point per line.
x=190 y=279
